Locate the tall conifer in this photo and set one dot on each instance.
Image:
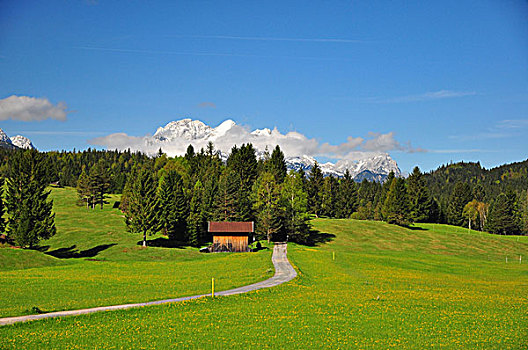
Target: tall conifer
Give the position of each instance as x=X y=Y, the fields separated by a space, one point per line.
x=30 y=217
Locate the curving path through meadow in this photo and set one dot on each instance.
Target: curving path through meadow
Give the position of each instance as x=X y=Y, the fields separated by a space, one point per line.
x=284 y=272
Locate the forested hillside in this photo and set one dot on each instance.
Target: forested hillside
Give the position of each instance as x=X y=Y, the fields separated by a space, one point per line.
x=177 y=196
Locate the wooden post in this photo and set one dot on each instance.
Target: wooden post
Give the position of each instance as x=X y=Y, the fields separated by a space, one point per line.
x=520 y=259
x=333 y=255
x=212 y=287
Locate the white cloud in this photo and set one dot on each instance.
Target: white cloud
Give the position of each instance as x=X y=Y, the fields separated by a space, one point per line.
x=28 y=109
x=292 y=143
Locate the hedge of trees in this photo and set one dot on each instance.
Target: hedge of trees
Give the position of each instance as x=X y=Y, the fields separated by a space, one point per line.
x=177 y=196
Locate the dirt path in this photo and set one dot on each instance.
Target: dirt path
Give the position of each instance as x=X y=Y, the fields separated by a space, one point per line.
x=284 y=272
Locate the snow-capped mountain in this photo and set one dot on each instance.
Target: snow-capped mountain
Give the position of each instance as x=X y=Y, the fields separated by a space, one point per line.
x=15 y=141
x=375 y=168
x=189 y=129
x=22 y=142
x=175 y=137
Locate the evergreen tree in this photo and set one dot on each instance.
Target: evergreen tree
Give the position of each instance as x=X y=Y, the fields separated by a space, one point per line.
x=243 y=162
x=266 y=194
x=396 y=207
x=295 y=203
x=524 y=211
x=277 y=165
x=2 y=207
x=347 y=198
x=141 y=214
x=83 y=189
x=314 y=186
x=503 y=217
x=30 y=217
x=99 y=183
x=419 y=197
x=196 y=222
x=329 y=196
x=226 y=204
x=460 y=196
x=173 y=207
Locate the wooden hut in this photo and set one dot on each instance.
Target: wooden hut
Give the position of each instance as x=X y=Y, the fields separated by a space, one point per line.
x=230 y=236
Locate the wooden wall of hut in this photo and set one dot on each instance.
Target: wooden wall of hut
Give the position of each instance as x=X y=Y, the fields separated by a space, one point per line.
x=230 y=244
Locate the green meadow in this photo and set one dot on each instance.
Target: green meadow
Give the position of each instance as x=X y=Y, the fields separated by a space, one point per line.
x=366 y=285
x=94 y=261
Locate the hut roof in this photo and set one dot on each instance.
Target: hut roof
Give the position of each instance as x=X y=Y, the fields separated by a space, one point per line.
x=228 y=226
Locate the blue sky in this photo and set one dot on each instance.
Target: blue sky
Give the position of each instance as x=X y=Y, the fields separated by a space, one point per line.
x=447 y=80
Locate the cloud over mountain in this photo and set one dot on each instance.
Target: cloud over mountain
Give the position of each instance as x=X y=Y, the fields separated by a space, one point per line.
x=174 y=138
x=27 y=109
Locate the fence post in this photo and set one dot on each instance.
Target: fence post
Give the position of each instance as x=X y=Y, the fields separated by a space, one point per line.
x=212 y=287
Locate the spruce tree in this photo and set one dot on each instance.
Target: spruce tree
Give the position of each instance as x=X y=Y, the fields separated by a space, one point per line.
x=328 y=196
x=172 y=206
x=295 y=203
x=266 y=194
x=315 y=185
x=503 y=217
x=196 y=222
x=420 y=199
x=396 y=206
x=99 y=183
x=142 y=211
x=30 y=217
x=460 y=196
x=83 y=188
x=2 y=206
x=243 y=163
x=347 y=198
x=277 y=165
x=226 y=199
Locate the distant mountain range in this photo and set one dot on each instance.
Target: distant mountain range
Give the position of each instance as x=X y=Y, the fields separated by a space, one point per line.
x=17 y=141
x=374 y=168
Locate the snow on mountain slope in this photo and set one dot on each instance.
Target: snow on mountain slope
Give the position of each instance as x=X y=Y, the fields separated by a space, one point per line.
x=22 y=142
x=174 y=138
x=4 y=138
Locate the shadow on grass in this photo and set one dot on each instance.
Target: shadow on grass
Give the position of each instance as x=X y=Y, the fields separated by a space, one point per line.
x=73 y=253
x=316 y=237
x=163 y=243
x=416 y=228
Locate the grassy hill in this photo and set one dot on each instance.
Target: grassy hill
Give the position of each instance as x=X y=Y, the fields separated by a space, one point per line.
x=433 y=286
x=94 y=261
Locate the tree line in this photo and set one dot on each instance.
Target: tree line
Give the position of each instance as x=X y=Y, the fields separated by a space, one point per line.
x=177 y=196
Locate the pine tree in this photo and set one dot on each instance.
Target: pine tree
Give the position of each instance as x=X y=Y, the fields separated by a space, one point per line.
x=347 y=198
x=503 y=217
x=141 y=215
x=196 y=221
x=2 y=207
x=99 y=183
x=328 y=196
x=420 y=199
x=277 y=165
x=315 y=184
x=396 y=207
x=30 y=217
x=266 y=194
x=83 y=188
x=295 y=203
x=226 y=199
x=460 y=196
x=173 y=206
x=243 y=162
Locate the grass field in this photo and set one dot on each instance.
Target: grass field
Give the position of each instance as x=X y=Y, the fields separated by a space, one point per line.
x=433 y=286
x=93 y=261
